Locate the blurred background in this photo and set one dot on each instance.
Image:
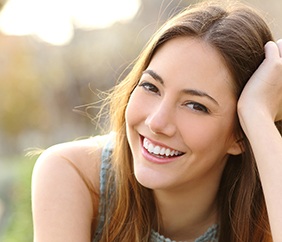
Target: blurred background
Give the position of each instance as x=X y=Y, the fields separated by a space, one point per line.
x=55 y=58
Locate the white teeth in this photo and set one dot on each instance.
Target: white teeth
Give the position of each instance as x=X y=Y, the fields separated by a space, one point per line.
x=145 y=144
x=167 y=152
x=151 y=148
x=157 y=150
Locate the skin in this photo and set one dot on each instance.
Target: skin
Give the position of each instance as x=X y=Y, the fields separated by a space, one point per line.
x=163 y=109
x=61 y=203
x=62 y=207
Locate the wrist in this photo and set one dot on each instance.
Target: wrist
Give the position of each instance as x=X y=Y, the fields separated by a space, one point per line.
x=254 y=119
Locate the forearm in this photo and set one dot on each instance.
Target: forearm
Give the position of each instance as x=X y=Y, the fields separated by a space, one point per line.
x=266 y=143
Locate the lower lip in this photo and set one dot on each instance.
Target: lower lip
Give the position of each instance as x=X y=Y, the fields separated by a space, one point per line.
x=154 y=159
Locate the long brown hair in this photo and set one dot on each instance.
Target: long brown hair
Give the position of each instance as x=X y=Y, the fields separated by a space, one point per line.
x=239 y=34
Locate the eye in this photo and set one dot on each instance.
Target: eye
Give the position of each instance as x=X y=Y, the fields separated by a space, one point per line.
x=197 y=107
x=149 y=87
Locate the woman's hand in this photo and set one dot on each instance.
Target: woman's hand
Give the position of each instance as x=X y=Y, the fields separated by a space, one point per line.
x=262 y=96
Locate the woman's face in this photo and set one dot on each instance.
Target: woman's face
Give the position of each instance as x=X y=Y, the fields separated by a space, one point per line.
x=180 y=118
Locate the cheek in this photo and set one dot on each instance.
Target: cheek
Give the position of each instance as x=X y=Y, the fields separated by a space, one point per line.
x=134 y=110
x=206 y=133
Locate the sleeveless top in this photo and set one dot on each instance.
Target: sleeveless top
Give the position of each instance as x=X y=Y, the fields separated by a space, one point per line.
x=211 y=235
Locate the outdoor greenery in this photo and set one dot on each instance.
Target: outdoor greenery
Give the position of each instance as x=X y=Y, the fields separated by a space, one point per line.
x=19 y=226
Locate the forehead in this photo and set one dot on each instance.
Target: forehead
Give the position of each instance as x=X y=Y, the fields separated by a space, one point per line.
x=193 y=62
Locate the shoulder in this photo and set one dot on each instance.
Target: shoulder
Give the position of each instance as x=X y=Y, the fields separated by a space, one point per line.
x=61 y=198
x=82 y=155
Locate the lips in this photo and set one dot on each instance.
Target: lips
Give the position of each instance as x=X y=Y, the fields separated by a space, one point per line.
x=160 y=151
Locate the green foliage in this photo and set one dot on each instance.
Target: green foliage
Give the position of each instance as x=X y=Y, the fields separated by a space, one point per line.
x=19 y=228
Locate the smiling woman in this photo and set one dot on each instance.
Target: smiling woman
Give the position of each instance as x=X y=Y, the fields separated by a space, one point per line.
x=53 y=20
x=188 y=156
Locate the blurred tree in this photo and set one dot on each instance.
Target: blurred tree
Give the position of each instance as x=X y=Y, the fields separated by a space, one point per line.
x=19 y=89
x=2 y=3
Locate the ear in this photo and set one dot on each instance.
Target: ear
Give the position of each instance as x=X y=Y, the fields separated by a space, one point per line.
x=236 y=147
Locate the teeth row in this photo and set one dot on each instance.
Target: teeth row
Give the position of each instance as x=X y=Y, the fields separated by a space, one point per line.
x=158 y=150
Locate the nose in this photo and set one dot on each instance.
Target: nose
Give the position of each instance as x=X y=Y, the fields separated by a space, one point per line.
x=161 y=120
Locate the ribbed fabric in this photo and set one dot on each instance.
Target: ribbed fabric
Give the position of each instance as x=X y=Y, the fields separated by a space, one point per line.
x=209 y=236
x=105 y=165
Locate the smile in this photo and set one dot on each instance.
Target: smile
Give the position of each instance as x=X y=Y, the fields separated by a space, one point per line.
x=159 y=150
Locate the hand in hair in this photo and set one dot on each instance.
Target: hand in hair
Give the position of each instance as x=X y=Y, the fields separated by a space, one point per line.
x=263 y=93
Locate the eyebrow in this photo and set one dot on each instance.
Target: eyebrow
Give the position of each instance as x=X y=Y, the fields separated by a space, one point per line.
x=192 y=92
x=199 y=93
x=153 y=74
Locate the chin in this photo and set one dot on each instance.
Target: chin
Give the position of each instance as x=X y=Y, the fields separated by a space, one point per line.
x=150 y=177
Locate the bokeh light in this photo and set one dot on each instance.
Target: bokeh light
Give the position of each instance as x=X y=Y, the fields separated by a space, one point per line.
x=54 y=21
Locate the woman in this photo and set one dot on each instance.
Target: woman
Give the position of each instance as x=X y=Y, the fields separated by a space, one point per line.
x=196 y=149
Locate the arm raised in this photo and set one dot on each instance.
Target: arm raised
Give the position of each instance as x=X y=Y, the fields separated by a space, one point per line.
x=259 y=106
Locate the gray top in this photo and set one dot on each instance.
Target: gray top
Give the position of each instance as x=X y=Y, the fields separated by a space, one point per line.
x=209 y=236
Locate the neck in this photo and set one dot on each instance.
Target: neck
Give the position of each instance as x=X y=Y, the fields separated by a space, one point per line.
x=187 y=214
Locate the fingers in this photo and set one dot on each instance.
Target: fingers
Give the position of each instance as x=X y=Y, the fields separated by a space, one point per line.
x=272 y=49
x=279 y=44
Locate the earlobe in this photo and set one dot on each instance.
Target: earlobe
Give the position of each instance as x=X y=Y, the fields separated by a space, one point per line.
x=236 y=147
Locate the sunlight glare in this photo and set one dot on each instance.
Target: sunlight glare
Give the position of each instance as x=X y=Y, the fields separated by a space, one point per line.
x=102 y=14
x=53 y=20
